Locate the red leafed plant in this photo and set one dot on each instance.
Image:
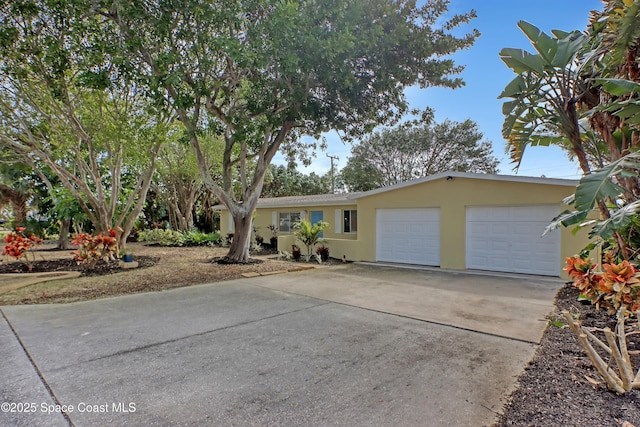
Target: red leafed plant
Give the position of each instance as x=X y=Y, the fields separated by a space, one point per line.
x=92 y=249
x=616 y=289
x=18 y=246
x=618 y=286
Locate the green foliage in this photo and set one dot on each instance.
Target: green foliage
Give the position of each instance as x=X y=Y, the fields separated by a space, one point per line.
x=281 y=181
x=168 y=237
x=558 y=323
x=309 y=234
x=198 y=238
x=582 y=92
x=601 y=187
x=414 y=150
x=161 y=236
x=71 y=115
x=264 y=73
x=542 y=106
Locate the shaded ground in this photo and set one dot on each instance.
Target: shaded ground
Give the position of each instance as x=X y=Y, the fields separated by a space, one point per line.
x=554 y=389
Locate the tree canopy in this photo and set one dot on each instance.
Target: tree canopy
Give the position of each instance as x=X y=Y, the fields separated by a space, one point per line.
x=412 y=151
x=99 y=138
x=288 y=181
x=264 y=73
x=258 y=73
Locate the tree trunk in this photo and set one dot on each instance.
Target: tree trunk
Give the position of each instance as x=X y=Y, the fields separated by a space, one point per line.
x=63 y=238
x=239 y=249
x=18 y=204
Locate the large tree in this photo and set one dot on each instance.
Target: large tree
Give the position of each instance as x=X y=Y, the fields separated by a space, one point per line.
x=413 y=150
x=262 y=73
x=93 y=130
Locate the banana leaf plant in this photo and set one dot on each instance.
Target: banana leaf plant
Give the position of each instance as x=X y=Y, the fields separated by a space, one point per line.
x=602 y=187
x=542 y=100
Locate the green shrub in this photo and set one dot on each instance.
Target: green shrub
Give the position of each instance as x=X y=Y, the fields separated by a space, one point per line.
x=166 y=237
x=161 y=236
x=198 y=238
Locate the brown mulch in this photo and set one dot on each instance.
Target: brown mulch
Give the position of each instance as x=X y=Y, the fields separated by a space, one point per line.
x=100 y=269
x=554 y=389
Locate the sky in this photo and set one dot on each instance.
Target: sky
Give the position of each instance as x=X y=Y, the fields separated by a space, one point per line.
x=485 y=77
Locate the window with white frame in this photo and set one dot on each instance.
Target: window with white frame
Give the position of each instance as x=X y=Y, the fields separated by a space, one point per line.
x=350 y=221
x=287 y=219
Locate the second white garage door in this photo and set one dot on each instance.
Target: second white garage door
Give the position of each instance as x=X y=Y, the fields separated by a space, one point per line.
x=410 y=236
x=509 y=238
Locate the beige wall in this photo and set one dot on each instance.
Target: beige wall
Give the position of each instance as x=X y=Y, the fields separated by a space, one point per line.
x=338 y=248
x=266 y=216
x=453 y=197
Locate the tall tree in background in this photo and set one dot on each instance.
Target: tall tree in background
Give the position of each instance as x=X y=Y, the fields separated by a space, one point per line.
x=91 y=129
x=288 y=181
x=412 y=151
x=262 y=73
x=179 y=182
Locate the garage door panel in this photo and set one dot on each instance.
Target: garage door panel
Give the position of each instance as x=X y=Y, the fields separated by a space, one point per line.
x=509 y=238
x=408 y=236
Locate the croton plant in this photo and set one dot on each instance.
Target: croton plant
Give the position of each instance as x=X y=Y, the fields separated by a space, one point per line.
x=18 y=245
x=91 y=249
x=618 y=285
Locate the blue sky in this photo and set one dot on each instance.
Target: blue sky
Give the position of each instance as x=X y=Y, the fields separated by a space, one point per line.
x=485 y=77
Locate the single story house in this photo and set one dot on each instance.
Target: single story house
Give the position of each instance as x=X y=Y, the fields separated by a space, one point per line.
x=452 y=220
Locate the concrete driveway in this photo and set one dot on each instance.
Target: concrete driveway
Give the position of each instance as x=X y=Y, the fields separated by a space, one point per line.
x=354 y=345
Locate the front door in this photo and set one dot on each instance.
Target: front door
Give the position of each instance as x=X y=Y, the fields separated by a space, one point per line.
x=317 y=216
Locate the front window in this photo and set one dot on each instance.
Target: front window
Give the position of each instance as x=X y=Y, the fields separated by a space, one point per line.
x=350 y=221
x=287 y=219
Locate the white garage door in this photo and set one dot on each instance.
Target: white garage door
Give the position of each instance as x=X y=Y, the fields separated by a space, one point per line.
x=410 y=236
x=509 y=238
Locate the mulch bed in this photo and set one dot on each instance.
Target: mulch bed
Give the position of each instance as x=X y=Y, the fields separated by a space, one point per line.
x=554 y=390
x=101 y=268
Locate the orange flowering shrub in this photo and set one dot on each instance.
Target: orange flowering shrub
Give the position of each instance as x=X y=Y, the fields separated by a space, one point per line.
x=584 y=278
x=621 y=285
x=92 y=249
x=618 y=286
x=18 y=245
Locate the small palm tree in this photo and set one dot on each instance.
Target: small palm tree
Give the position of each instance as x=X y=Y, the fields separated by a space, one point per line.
x=309 y=234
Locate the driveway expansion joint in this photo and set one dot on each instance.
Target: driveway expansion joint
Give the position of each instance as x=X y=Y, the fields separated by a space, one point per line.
x=199 y=334
x=37 y=369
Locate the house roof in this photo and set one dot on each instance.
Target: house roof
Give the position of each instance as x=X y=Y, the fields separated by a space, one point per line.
x=468 y=175
x=350 y=198
x=315 y=200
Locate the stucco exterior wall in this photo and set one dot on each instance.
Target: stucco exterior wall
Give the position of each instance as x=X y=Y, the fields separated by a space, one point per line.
x=267 y=216
x=453 y=196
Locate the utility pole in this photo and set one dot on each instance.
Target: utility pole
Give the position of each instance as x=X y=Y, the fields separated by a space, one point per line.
x=333 y=180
